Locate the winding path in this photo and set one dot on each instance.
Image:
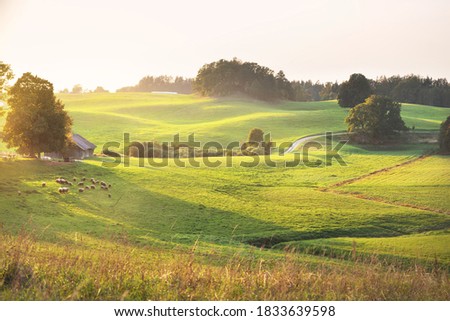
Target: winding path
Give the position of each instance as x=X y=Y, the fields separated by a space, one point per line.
x=305 y=139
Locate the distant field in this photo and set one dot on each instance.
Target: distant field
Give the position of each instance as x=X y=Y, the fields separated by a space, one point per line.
x=149 y=116
x=153 y=116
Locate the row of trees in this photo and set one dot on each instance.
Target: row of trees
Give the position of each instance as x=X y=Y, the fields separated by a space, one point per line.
x=78 y=89
x=161 y=83
x=408 y=89
x=230 y=77
x=414 y=89
x=234 y=77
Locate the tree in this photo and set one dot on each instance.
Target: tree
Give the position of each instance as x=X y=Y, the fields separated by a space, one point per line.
x=444 y=136
x=6 y=75
x=77 y=89
x=284 y=87
x=354 y=91
x=37 y=121
x=377 y=118
x=100 y=89
x=256 y=135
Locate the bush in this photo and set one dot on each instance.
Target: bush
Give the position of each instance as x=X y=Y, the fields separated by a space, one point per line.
x=256 y=135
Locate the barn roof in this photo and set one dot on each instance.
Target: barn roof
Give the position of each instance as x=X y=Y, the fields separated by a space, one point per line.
x=82 y=142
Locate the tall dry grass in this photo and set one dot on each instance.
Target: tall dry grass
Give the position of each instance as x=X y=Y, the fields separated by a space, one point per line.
x=32 y=270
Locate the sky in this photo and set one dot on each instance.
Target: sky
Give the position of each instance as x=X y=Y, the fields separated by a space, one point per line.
x=114 y=44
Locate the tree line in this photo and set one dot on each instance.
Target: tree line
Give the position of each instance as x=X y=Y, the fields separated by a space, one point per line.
x=161 y=83
x=231 y=77
x=235 y=77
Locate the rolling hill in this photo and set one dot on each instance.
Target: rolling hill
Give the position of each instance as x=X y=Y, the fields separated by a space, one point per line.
x=227 y=213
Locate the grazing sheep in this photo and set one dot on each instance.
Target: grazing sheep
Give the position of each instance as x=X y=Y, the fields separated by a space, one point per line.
x=63 y=190
x=44 y=184
x=80 y=184
x=70 y=183
x=86 y=188
x=92 y=186
x=81 y=190
x=83 y=179
x=19 y=193
x=109 y=185
x=74 y=179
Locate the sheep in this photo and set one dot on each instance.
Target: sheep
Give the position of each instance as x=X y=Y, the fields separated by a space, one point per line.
x=83 y=179
x=69 y=183
x=63 y=190
x=74 y=179
x=61 y=181
x=86 y=187
x=80 y=184
x=44 y=184
x=92 y=186
x=81 y=190
x=109 y=185
x=19 y=193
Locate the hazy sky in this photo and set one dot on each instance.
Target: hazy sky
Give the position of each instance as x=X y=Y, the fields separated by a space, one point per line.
x=115 y=43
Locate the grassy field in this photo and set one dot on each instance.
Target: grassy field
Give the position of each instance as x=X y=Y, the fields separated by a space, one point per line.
x=227 y=218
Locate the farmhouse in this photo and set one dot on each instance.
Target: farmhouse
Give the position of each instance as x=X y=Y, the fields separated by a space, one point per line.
x=80 y=149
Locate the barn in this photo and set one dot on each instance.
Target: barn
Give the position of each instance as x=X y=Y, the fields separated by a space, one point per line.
x=80 y=149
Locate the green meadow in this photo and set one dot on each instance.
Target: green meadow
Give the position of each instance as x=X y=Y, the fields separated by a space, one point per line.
x=190 y=225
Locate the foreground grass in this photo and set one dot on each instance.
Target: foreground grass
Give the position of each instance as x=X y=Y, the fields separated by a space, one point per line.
x=33 y=270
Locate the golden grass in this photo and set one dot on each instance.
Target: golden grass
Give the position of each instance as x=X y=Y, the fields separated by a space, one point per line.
x=32 y=270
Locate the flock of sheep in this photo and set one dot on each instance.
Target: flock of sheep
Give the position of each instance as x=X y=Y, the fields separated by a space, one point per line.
x=83 y=185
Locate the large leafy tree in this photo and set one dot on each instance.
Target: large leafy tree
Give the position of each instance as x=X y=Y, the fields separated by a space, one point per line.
x=444 y=136
x=6 y=75
x=37 y=121
x=354 y=91
x=377 y=118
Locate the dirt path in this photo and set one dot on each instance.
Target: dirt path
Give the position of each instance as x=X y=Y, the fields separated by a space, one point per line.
x=305 y=139
x=330 y=189
x=384 y=201
x=379 y=171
